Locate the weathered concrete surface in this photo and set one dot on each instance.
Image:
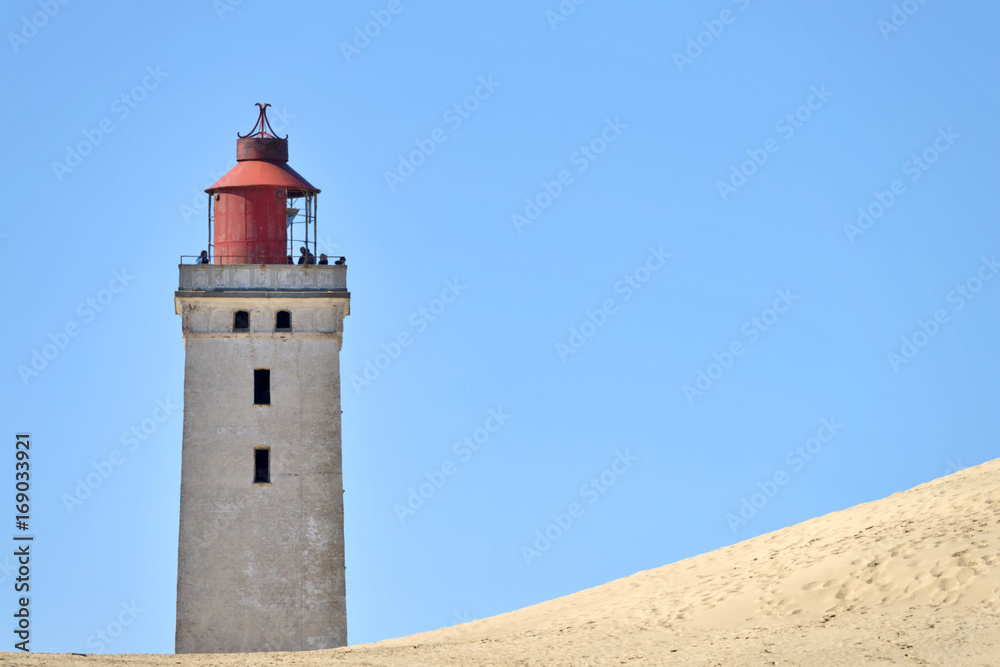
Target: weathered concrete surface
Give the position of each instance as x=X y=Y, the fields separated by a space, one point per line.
x=263 y=276
x=261 y=566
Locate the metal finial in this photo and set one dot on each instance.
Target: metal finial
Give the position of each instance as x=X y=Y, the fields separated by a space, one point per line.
x=262 y=128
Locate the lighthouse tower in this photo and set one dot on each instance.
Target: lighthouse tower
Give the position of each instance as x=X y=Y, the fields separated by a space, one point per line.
x=261 y=551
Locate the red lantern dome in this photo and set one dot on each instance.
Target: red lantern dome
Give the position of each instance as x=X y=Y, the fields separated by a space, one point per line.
x=254 y=202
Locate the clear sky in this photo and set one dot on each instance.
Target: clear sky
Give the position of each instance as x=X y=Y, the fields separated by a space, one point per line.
x=649 y=212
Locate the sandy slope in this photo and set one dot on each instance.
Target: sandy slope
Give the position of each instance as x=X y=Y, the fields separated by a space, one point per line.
x=910 y=579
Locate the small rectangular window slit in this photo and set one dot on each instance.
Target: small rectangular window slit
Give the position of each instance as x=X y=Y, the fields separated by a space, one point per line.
x=262 y=466
x=262 y=386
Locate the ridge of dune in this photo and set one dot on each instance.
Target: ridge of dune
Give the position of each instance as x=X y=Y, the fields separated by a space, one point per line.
x=913 y=578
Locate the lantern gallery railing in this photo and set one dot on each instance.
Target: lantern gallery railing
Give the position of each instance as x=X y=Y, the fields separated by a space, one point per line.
x=228 y=259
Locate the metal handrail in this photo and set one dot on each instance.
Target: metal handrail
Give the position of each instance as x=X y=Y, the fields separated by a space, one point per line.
x=194 y=260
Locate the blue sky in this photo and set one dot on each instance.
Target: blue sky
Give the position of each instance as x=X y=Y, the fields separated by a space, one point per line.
x=730 y=145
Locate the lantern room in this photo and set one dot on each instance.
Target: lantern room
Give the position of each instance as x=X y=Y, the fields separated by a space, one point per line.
x=262 y=211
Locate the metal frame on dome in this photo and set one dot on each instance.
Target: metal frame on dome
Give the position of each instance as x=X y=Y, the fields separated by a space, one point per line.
x=302 y=219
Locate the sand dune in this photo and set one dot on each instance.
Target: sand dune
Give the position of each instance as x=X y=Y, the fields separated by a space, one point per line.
x=910 y=579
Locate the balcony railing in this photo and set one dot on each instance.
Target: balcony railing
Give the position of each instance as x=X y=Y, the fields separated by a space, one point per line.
x=197 y=259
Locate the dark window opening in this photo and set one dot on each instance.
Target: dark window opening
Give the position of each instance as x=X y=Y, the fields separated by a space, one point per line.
x=241 y=321
x=262 y=386
x=283 y=321
x=262 y=466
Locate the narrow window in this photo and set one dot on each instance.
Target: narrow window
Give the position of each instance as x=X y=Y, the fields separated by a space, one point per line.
x=262 y=466
x=262 y=386
x=283 y=321
x=241 y=321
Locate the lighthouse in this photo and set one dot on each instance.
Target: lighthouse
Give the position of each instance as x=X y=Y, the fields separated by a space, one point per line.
x=260 y=563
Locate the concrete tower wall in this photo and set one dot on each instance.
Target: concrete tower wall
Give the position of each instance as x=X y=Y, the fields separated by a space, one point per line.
x=261 y=566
